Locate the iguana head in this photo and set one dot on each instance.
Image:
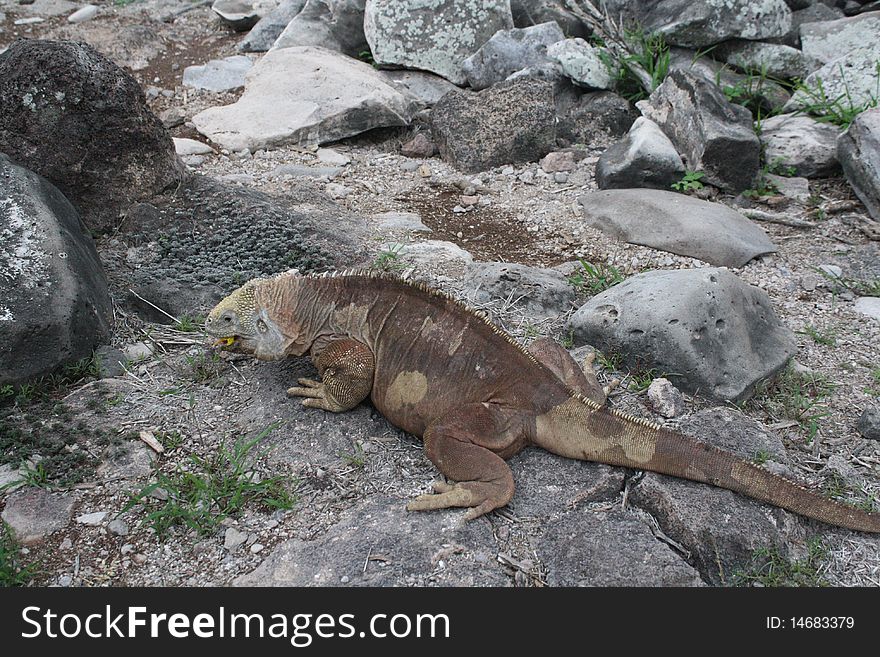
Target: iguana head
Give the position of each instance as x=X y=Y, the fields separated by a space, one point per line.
x=239 y=324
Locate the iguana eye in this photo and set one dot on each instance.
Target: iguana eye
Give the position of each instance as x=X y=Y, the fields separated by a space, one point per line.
x=261 y=326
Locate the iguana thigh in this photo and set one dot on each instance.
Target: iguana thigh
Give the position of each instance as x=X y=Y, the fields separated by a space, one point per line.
x=346 y=368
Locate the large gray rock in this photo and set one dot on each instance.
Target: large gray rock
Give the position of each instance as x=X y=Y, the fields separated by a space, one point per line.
x=582 y=63
x=240 y=15
x=305 y=96
x=426 y=87
x=408 y=548
x=677 y=223
x=799 y=141
x=432 y=35
x=773 y=59
x=644 y=158
x=814 y=13
x=721 y=529
x=54 y=305
x=269 y=27
x=859 y=153
x=535 y=12
x=334 y=24
x=849 y=82
x=73 y=116
x=711 y=134
x=539 y=293
x=218 y=74
x=827 y=41
x=509 y=51
x=594 y=117
x=704 y=329
x=510 y=123
x=34 y=513
x=701 y=23
x=610 y=549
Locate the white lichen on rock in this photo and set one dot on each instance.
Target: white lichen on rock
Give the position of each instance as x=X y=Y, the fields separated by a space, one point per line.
x=22 y=261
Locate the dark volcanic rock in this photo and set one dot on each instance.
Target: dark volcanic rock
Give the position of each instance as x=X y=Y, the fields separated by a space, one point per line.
x=711 y=134
x=593 y=115
x=54 y=305
x=644 y=158
x=510 y=123
x=73 y=116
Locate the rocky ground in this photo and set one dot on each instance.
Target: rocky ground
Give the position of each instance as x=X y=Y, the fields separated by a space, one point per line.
x=176 y=406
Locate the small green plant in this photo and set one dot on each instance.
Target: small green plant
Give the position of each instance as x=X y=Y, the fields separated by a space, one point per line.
x=766 y=187
x=761 y=457
x=7 y=392
x=752 y=90
x=205 y=367
x=188 y=324
x=356 y=458
x=874 y=389
x=35 y=476
x=691 y=181
x=568 y=340
x=769 y=568
x=210 y=490
x=367 y=57
x=641 y=380
x=389 y=259
x=170 y=440
x=611 y=361
x=839 y=110
x=12 y=571
x=650 y=52
x=826 y=339
x=797 y=396
x=593 y=279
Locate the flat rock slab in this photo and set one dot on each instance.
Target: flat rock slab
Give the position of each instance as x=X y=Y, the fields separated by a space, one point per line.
x=704 y=329
x=305 y=96
x=678 y=224
x=218 y=74
x=858 y=150
x=427 y=87
x=826 y=41
x=433 y=35
x=540 y=293
x=408 y=549
x=610 y=549
x=34 y=513
x=509 y=51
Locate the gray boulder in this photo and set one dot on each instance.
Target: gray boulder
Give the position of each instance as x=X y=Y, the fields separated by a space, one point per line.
x=721 y=529
x=305 y=96
x=218 y=74
x=827 y=41
x=54 y=304
x=704 y=329
x=426 y=87
x=408 y=547
x=775 y=59
x=799 y=141
x=701 y=23
x=582 y=64
x=644 y=158
x=814 y=13
x=509 y=51
x=240 y=15
x=73 y=116
x=510 y=123
x=851 y=81
x=711 y=134
x=539 y=293
x=858 y=150
x=34 y=513
x=869 y=423
x=677 y=223
x=612 y=548
x=593 y=117
x=534 y=12
x=433 y=36
x=334 y=24
x=269 y=27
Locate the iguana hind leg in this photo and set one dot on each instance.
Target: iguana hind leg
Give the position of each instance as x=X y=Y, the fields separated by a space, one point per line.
x=346 y=368
x=468 y=447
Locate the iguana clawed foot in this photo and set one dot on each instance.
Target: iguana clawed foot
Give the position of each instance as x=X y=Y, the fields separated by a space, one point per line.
x=475 y=494
x=315 y=395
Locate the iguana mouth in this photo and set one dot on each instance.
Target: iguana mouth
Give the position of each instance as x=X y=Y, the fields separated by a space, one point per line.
x=225 y=342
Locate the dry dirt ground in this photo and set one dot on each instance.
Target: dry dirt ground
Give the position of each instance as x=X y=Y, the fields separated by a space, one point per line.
x=191 y=400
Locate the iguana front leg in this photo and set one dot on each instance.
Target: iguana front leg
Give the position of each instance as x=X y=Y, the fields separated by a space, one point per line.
x=346 y=369
x=469 y=447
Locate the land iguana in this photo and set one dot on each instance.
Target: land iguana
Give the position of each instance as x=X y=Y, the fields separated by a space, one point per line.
x=441 y=371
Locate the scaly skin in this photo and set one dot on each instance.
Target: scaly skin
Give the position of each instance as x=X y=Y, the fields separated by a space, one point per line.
x=443 y=372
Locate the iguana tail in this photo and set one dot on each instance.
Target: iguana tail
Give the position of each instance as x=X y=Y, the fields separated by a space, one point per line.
x=581 y=429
